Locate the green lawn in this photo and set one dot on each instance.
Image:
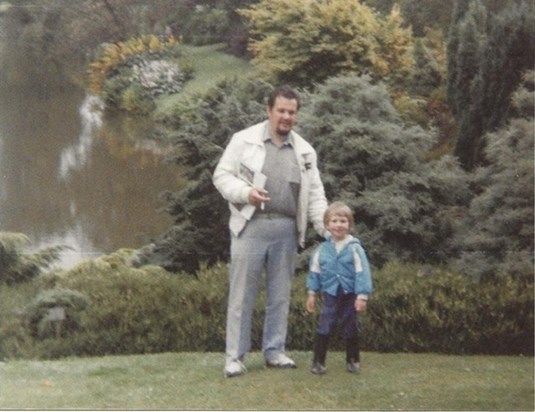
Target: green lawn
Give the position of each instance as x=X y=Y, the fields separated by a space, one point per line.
x=195 y=381
x=210 y=66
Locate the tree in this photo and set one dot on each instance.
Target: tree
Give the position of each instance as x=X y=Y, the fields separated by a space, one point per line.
x=369 y=159
x=487 y=55
x=203 y=126
x=56 y=38
x=420 y=15
x=427 y=74
x=496 y=236
x=209 y=22
x=464 y=53
x=303 y=42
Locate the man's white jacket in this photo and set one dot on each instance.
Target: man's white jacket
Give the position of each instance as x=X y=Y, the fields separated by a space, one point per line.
x=246 y=149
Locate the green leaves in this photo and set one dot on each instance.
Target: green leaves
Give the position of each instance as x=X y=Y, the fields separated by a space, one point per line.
x=369 y=159
x=17 y=264
x=305 y=42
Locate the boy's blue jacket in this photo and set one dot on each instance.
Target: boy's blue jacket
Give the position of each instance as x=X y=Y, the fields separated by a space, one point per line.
x=348 y=268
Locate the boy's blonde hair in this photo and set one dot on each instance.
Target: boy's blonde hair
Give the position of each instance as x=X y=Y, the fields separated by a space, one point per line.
x=338 y=209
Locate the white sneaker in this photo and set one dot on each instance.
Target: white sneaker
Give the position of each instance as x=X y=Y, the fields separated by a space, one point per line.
x=234 y=368
x=281 y=361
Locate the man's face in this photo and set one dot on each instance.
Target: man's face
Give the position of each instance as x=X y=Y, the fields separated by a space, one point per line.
x=282 y=116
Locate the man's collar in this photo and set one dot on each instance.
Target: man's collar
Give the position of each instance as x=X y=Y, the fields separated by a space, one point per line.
x=267 y=136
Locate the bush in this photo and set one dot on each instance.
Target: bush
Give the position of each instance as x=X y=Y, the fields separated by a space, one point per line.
x=15 y=340
x=38 y=312
x=142 y=310
x=148 y=310
x=17 y=264
x=425 y=309
x=130 y=75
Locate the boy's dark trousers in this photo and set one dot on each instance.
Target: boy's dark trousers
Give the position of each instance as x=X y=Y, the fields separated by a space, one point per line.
x=322 y=342
x=337 y=308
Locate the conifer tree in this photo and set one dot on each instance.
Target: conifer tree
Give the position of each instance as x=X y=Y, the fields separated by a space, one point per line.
x=487 y=55
x=496 y=236
x=375 y=163
x=367 y=157
x=203 y=126
x=426 y=75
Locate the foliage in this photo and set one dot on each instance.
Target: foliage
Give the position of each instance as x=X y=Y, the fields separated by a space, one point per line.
x=18 y=264
x=427 y=75
x=369 y=159
x=496 y=235
x=15 y=339
x=425 y=309
x=114 y=308
x=403 y=202
x=113 y=55
x=421 y=16
x=135 y=74
x=52 y=40
x=37 y=312
x=430 y=14
x=203 y=125
x=205 y=22
x=158 y=77
x=487 y=56
x=303 y=42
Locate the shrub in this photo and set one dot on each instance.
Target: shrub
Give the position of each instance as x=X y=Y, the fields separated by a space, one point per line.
x=18 y=264
x=425 y=309
x=496 y=235
x=370 y=159
x=114 y=308
x=158 y=77
x=113 y=55
x=203 y=126
x=15 y=340
x=130 y=75
x=38 y=312
x=142 y=310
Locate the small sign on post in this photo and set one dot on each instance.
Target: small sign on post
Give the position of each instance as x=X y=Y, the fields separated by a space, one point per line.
x=56 y=315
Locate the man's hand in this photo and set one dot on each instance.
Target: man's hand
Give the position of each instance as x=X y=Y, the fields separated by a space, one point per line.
x=258 y=196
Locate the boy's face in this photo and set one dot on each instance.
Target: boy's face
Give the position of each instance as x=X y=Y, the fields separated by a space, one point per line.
x=338 y=225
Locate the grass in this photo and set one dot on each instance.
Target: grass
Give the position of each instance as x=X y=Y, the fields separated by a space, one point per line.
x=210 y=65
x=195 y=381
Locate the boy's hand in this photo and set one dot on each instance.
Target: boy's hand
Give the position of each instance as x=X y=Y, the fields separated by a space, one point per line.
x=361 y=305
x=311 y=303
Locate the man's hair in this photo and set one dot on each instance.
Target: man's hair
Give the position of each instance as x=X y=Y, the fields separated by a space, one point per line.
x=338 y=209
x=286 y=92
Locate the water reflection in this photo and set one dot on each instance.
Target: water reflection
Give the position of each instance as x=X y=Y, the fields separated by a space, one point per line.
x=75 y=156
x=69 y=176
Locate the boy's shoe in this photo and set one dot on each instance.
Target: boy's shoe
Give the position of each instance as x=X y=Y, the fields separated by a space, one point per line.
x=281 y=361
x=234 y=368
x=353 y=367
x=318 y=369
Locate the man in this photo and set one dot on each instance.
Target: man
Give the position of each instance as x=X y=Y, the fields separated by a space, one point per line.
x=269 y=176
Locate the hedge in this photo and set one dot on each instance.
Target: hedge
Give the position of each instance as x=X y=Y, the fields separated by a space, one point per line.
x=114 y=308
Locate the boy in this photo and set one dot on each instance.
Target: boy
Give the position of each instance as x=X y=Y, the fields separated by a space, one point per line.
x=340 y=270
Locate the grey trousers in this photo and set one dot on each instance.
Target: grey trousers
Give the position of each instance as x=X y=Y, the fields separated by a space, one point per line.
x=266 y=245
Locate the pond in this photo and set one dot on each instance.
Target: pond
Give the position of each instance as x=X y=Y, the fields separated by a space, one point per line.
x=70 y=175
